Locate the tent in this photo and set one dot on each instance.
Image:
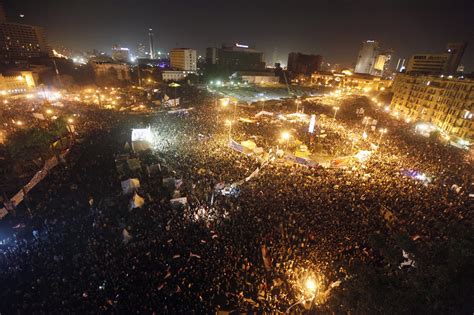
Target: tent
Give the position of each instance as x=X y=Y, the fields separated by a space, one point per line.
x=177 y=201
x=126 y=236
x=136 y=201
x=263 y=113
x=130 y=185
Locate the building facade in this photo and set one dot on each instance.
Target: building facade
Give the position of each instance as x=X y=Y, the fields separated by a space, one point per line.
x=299 y=63
x=235 y=58
x=427 y=63
x=17 y=83
x=366 y=58
x=256 y=77
x=121 y=54
x=21 y=41
x=174 y=75
x=119 y=70
x=455 y=51
x=354 y=81
x=445 y=63
x=446 y=102
x=183 y=59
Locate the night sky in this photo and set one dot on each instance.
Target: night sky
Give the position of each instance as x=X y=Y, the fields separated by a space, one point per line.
x=334 y=29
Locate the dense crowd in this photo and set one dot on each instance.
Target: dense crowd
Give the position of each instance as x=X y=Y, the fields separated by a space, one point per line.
x=85 y=251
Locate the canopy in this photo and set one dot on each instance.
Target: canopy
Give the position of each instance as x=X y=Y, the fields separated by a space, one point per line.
x=130 y=185
x=136 y=201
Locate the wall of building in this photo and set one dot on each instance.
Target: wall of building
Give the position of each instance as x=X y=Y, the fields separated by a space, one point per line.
x=183 y=59
x=18 y=83
x=366 y=57
x=19 y=41
x=122 y=70
x=354 y=81
x=447 y=103
x=174 y=75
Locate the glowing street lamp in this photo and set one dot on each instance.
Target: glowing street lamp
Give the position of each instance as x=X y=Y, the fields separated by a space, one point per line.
x=229 y=123
x=49 y=111
x=336 y=108
x=285 y=136
x=310 y=287
x=382 y=132
x=297 y=102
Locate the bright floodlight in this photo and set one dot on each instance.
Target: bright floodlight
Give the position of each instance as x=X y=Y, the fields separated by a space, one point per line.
x=142 y=135
x=285 y=135
x=310 y=285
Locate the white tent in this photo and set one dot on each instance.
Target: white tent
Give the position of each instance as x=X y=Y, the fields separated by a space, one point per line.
x=127 y=237
x=136 y=201
x=263 y=113
x=130 y=185
x=182 y=200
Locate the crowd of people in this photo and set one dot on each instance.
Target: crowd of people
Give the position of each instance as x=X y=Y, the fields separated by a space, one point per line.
x=84 y=250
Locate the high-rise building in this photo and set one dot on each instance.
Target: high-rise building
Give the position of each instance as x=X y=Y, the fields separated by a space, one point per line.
x=444 y=63
x=237 y=57
x=446 y=102
x=367 y=55
x=382 y=63
x=299 y=63
x=141 y=51
x=121 y=54
x=21 y=41
x=455 y=51
x=427 y=63
x=400 y=65
x=183 y=59
x=152 y=45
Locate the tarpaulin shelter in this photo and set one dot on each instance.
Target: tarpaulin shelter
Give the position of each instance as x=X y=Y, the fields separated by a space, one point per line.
x=136 y=202
x=130 y=185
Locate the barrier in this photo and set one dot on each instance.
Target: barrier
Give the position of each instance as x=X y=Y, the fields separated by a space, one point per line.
x=37 y=178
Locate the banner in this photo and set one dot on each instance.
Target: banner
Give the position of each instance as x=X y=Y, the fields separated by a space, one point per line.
x=38 y=177
x=312 y=123
x=236 y=146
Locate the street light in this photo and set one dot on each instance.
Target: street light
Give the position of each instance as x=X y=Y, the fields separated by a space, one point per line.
x=309 y=287
x=298 y=102
x=336 y=108
x=285 y=135
x=382 y=132
x=229 y=123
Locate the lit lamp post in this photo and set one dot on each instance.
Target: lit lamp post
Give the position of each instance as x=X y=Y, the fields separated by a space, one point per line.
x=382 y=132
x=310 y=288
x=298 y=102
x=366 y=119
x=286 y=137
x=229 y=123
x=336 y=108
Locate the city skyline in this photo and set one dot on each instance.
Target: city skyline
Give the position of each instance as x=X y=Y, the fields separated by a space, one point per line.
x=336 y=34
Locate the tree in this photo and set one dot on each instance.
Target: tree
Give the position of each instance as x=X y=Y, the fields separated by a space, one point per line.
x=26 y=145
x=58 y=128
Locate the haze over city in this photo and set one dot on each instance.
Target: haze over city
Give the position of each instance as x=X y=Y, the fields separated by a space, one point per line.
x=333 y=29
